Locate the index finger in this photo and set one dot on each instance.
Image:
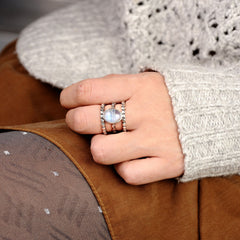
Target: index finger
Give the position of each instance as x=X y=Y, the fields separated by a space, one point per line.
x=108 y=89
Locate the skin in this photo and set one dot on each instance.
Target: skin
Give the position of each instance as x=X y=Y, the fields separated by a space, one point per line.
x=150 y=150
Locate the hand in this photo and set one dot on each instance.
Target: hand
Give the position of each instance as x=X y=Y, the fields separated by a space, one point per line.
x=150 y=149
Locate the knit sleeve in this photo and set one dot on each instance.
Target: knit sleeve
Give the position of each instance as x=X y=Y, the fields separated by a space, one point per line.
x=206 y=106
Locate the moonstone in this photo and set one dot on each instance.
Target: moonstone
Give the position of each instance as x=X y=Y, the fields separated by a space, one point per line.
x=112 y=115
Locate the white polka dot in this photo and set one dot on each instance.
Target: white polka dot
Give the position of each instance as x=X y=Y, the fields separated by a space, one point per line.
x=6 y=152
x=99 y=209
x=24 y=133
x=46 y=210
x=56 y=174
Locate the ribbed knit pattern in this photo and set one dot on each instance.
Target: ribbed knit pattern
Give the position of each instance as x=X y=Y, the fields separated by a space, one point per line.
x=195 y=44
x=207 y=111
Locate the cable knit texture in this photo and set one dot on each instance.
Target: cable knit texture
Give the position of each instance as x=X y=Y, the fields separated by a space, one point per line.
x=195 y=44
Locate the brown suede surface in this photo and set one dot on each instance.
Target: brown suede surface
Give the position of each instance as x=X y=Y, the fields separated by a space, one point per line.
x=205 y=209
x=22 y=98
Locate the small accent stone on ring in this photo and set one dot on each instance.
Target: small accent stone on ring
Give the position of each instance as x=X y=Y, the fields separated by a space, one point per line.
x=112 y=115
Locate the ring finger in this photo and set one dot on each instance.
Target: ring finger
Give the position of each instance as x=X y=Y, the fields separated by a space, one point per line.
x=86 y=119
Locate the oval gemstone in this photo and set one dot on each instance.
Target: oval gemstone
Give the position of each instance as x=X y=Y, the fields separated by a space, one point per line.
x=112 y=115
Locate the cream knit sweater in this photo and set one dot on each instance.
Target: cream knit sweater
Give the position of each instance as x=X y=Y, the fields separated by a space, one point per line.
x=195 y=44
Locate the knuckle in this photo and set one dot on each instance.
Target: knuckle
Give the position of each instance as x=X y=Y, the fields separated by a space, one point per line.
x=84 y=90
x=152 y=77
x=62 y=98
x=128 y=174
x=97 y=151
x=76 y=120
x=70 y=119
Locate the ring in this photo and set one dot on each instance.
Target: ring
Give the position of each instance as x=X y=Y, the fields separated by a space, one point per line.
x=113 y=116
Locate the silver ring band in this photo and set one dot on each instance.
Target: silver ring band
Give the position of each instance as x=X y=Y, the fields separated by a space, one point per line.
x=113 y=116
x=102 y=119
x=124 y=116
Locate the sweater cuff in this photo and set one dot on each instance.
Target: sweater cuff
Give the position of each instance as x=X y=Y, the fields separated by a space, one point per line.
x=206 y=106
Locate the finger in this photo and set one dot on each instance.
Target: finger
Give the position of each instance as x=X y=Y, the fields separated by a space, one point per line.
x=115 y=148
x=147 y=170
x=86 y=119
x=112 y=88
